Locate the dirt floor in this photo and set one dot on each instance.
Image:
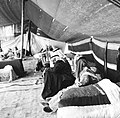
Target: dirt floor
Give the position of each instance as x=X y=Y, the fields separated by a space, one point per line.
x=21 y=98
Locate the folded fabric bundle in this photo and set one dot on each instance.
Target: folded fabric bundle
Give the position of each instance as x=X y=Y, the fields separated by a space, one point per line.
x=7 y=73
x=111 y=89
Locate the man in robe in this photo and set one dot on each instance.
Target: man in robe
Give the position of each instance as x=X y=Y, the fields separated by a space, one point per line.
x=58 y=77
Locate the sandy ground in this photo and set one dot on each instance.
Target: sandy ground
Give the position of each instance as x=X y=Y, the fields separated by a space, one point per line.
x=21 y=98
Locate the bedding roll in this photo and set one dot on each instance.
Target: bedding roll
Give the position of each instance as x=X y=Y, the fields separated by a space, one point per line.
x=84 y=96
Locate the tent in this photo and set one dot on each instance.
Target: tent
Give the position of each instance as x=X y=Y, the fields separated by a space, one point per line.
x=66 y=20
x=86 y=26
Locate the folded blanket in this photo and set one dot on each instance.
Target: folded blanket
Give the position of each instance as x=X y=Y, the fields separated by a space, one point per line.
x=7 y=73
x=111 y=89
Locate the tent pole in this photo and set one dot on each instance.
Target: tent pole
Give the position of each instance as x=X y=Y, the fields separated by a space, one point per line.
x=0 y=43
x=29 y=37
x=22 y=25
x=105 y=60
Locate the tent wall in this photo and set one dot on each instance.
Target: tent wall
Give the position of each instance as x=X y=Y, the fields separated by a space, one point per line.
x=98 y=49
x=36 y=43
x=39 y=42
x=11 y=42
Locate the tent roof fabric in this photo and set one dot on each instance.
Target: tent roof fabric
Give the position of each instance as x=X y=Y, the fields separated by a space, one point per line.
x=67 y=20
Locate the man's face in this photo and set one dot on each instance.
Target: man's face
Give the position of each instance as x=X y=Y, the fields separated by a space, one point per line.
x=53 y=60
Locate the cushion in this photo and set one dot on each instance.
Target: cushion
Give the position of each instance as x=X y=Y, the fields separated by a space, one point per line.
x=81 y=96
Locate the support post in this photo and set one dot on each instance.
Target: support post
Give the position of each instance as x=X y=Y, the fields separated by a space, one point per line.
x=29 y=37
x=22 y=27
x=105 y=60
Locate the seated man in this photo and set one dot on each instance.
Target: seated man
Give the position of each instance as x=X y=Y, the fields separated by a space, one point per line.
x=39 y=66
x=88 y=76
x=58 y=77
x=80 y=62
x=10 y=54
x=85 y=74
x=16 y=53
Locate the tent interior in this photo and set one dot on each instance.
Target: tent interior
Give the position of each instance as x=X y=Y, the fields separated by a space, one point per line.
x=86 y=26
